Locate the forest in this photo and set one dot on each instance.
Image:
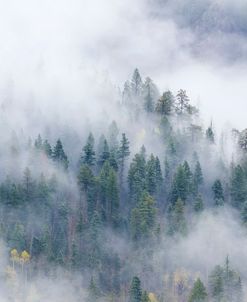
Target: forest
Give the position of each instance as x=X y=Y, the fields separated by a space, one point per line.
x=148 y=207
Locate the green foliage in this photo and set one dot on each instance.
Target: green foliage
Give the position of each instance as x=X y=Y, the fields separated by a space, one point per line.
x=182 y=183
x=135 y=292
x=137 y=177
x=145 y=297
x=218 y=193
x=93 y=291
x=143 y=218
x=59 y=155
x=210 y=134
x=88 y=155
x=198 y=204
x=238 y=187
x=225 y=284
x=165 y=104
x=182 y=102
x=198 y=292
x=176 y=219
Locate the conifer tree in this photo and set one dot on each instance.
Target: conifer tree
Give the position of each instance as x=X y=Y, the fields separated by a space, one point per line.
x=38 y=143
x=180 y=185
x=136 y=84
x=93 y=291
x=148 y=95
x=176 y=219
x=135 y=292
x=198 y=204
x=137 y=177
x=182 y=102
x=216 y=284
x=145 y=297
x=218 y=193
x=210 y=134
x=123 y=154
x=105 y=154
x=88 y=155
x=197 y=177
x=165 y=104
x=59 y=155
x=143 y=217
x=238 y=187
x=198 y=292
x=47 y=148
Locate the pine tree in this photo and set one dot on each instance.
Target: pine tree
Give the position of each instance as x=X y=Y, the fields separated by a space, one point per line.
x=88 y=155
x=47 y=149
x=113 y=199
x=123 y=154
x=198 y=204
x=85 y=178
x=244 y=214
x=148 y=100
x=104 y=155
x=59 y=155
x=218 y=193
x=136 y=84
x=93 y=291
x=176 y=219
x=182 y=102
x=180 y=185
x=151 y=175
x=198 y=292
x=197 y=177
x=238 y=187
x=113 y=133
x=143 y=217
x=38 y=143
x=135 y=292
x=216 y=284
x=28 y=185
x=137 y=177
x=145 y=297
x=165 y=104
x=210 y=134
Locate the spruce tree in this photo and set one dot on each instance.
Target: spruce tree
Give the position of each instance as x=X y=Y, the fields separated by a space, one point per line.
x=47 y=148
x=143 y=218
x=182 y=102
x=123 y=154
x=59 y=155
x=165 y=104
x=135 y=292
x=88 y=154
x=198 y=204
x=238 y=187
x=145 y=297
x=93 y=291
x=137 y=177
x=197 y=177
x=136 y=84
x=198 y=292
x=104 y=155
x=176 y=219
x=218 y=193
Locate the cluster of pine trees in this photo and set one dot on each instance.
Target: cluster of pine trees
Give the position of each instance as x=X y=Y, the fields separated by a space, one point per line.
x=70 y=217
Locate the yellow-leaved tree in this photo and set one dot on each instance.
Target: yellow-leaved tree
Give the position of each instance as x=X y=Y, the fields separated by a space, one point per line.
x=14 y=256
x=152 y=297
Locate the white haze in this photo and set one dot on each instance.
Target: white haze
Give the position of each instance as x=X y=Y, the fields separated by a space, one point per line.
x=61 y=63
x=62 y=60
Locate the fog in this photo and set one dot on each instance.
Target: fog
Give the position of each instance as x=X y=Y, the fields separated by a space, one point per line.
x=63 y=65
x=60 y=58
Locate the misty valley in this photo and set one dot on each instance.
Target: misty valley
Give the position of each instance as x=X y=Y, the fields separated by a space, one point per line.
x=146 y=204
